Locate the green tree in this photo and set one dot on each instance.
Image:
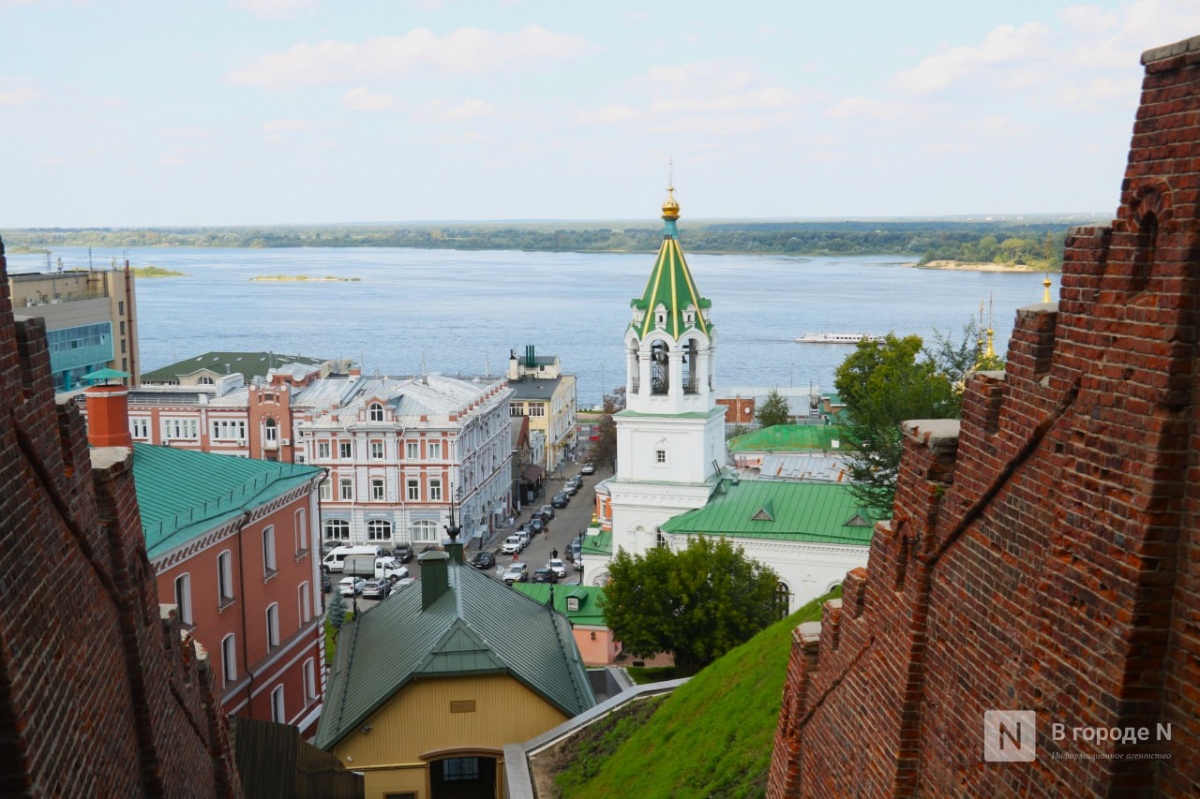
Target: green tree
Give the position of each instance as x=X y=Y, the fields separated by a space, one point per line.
x=774 y=410
x=883 y=384
x=697 y=603
x=335 y=610
x=604 y=450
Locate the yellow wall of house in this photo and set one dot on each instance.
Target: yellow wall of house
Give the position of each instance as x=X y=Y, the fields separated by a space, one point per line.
x=418 y=721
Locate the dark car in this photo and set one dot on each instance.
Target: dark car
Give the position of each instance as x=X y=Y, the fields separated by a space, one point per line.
x=560 y=499
x=544 y=575
x=483 y=560
x=326 y=583
x=536 y=526
x=570 y=488
x=403 y=552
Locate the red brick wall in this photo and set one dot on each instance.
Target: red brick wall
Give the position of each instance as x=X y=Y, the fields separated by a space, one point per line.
x=1044 y=555
x=97 y=695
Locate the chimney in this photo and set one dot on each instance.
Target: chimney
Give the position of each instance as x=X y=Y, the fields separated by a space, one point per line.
x=455 y=551
x=108 y=416
x=435 y=577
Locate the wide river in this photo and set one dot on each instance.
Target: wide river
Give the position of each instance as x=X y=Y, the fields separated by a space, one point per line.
x=461 y=312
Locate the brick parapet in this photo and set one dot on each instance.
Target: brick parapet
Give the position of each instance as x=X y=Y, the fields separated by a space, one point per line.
x=1050 y=564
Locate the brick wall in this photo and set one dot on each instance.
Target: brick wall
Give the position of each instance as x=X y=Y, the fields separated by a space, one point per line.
x=1043 y=555
x=98 y=695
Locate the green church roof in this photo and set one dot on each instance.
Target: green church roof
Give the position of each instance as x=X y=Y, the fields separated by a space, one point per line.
x=184 y=494
x=478 y=626
x=671 y=286
x=807 y=512
x=590 y=598
x=788 y=438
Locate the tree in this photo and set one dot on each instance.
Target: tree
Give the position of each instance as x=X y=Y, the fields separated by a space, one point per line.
x=604 y=450
x=335 y=611
x=774 y=410
x=697 y=603
x=883 y=384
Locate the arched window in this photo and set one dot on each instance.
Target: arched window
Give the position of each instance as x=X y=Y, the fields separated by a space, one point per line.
x=204 y=381
x=271 y=429
x=376 y=412
x=337 y=530
x=783 y=599
x=424 y=531
x=691 y=376
x=660 y=372
x=379 y=530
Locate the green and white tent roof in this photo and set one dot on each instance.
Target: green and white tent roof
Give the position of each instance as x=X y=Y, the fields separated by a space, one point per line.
x=671 y=287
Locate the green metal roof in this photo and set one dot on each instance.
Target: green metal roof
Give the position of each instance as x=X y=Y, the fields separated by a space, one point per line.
x=597 y=544
x=812 y=512
x=589 y=597
x=671 y=285
x=478 y=626
x=183 y=494
x=788 y=438
x=249 y=364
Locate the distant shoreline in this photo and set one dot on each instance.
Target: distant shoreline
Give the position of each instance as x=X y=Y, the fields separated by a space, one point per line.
x=965 y=266
x=304 y=279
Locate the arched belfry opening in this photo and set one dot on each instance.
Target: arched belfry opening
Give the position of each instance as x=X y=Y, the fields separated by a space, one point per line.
x=691 y=367
x=660 y=369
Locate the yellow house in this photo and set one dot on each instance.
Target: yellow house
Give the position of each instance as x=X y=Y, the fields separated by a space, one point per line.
x=430 y=684
x=543 y=393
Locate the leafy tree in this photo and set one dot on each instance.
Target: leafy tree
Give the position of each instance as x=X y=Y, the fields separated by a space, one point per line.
x=604 y=450
x=697 y=603
x=335 y=610
x=883 y=384
x=774 y=410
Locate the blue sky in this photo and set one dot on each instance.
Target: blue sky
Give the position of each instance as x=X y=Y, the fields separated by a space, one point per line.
x=174 y=112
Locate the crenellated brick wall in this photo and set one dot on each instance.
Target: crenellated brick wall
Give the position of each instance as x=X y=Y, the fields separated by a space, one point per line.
x=100 y=694
x=1042 y=554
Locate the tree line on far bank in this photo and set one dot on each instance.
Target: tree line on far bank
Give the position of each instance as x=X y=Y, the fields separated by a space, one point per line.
x=1032 y=243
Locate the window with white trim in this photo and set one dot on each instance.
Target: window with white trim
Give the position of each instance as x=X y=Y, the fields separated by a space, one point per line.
x=412 y=450
x=376 y=412
x=424 y=530
x=323 y=450
x=345 y=450
x=225 y=577
x=377 y=489
x=228 y=429
x=325 y=490
x=271 y=430
x=229 y=660
x=379 y=530
x=268 y=541
x=304 y=597
x=278 y=709
x=537 y=409
x=183 y=598
x=139 y=428
x=414 y=490
x=301 y=531
x=337 y=530
x=272 y=625
x=376 y=450
x=435 y=450
x=310 y=680
x=346 y=488
x=435 y=489
x=187 y=429
x=660 y=457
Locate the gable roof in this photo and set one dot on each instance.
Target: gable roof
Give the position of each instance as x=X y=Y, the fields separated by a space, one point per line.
x=807 y=512
x=183 y=494
x=478 y=626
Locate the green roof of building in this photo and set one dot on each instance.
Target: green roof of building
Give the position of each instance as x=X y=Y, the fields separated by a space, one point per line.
x=184 y=494
x=810 y=512
x=478 y=626
x=789 y=438
x=597 y=544
x=248 y=364
x=590 y=598
x=671 y=285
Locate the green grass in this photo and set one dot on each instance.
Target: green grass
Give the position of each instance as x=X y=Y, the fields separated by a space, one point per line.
x=331 y=638
x=711 y=737
x=643 y=674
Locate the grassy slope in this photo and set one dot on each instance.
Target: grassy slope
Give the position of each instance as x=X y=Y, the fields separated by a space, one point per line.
x=711 y=737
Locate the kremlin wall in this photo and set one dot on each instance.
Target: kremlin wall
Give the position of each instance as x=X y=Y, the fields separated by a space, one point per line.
x=100 y=694
x=1043 y=555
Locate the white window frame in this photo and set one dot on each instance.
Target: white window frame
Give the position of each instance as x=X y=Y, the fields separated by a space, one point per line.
x=376 y=525
x=270 y=565
x=435 y=489
x=424 y=530
x=434 y=449
x=139 y=427
x=345 y=450
x=272 y=619
x=270 y=430
x=225 y=593
x=183 y=598
x=181 y=428
x=376 y=450
x=304 y=597
x=301 y=532
x=229 y=659
x=341 y=526
x=325 y=490
x=375 y=412
x=378 y=489
x=346 y=489
x=310 y=680
x=412 y=450
x=278 y=706
x=323 y=450
x=413 y=490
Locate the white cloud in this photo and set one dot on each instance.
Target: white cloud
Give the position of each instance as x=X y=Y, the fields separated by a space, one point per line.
x=462 y=51
x=363 y=99
x=1005 y=44
x=468 y=109
x=172 y=160
x=16 y=97
x=286 y=125
x=53 y=161
x=612 y=114
x=1090 y=20
x=275 y=9
x=470 y=137
x=188 y=133
x=878 y=110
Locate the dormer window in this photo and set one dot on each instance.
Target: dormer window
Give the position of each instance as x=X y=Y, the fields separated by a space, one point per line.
x=660 y=316
x=376 y=412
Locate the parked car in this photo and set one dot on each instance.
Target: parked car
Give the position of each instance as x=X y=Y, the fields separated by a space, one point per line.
x=557 y=566
x=351 y=586
x=536 y=526
x=545 y=513
x=560 y=499
x=326 y=583
x=512 y=545
x=524 y=536
x=571 y=488
x=588 y=468
x=376 y=589
x=544 y=575
x=403 y=552
x=483 y=560
x=516 y=573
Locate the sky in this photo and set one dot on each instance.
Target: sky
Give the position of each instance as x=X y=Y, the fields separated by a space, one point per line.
x=123 y=113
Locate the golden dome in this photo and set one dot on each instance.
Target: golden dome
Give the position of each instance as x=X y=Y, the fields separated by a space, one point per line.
x=670 y=208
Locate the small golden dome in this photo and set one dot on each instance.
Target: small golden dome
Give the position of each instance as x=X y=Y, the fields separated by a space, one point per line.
x=670 y=208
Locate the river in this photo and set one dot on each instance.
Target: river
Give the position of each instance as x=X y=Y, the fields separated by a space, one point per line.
x=462 y=312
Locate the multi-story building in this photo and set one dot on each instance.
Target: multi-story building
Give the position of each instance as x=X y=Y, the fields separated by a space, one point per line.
x=207 y=369
x=398 y=450
x=230 y=542
x=91 y=320
x=547 y=396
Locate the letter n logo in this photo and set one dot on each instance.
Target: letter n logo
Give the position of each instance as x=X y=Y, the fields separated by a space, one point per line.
x=1010 y=736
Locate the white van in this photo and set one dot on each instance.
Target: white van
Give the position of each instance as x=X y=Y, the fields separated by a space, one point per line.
x=334 y=561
